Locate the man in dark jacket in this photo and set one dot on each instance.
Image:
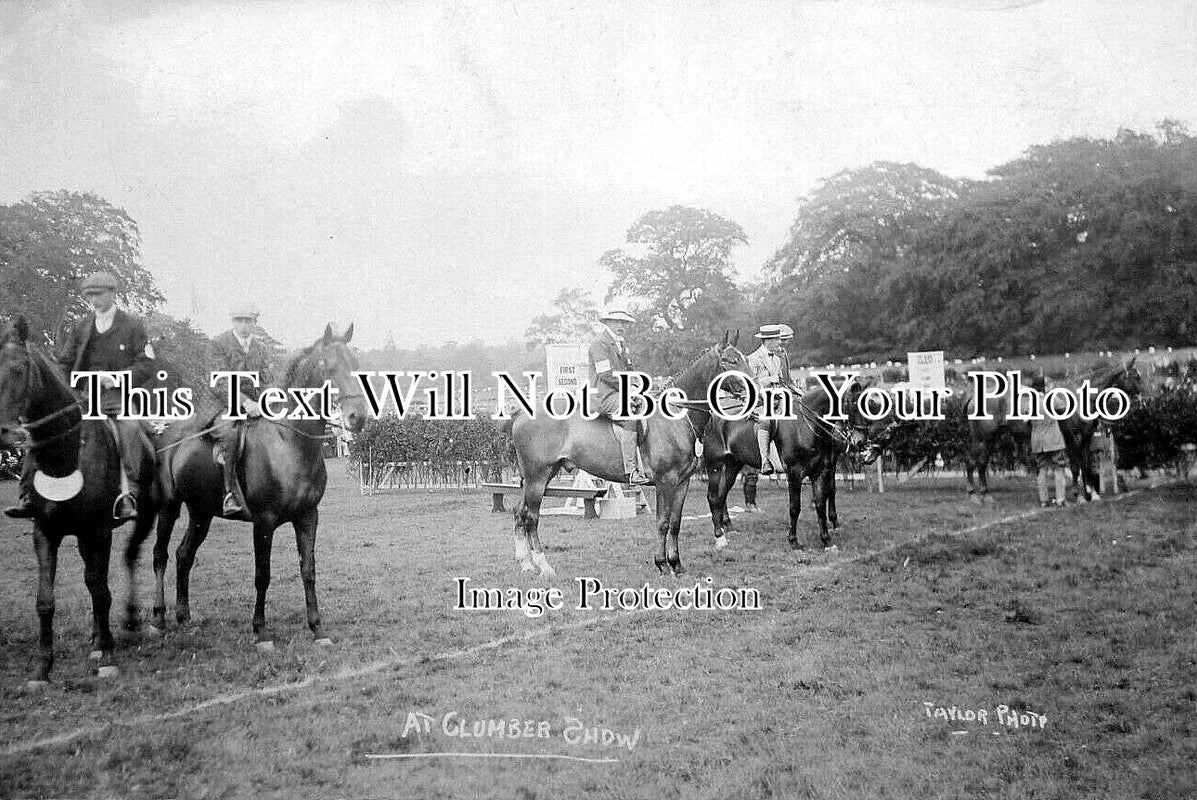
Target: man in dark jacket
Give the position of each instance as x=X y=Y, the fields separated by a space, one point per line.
x=237 y=350
x=609 y=354
x=109 y=340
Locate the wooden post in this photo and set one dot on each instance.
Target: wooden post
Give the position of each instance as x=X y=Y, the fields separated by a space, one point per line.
x=1113 y=461
x=880 y=477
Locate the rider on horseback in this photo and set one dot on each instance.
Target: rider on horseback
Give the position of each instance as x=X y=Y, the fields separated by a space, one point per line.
x=110 y=340
x=770 y=365
x=236 y=350
x=609 y=354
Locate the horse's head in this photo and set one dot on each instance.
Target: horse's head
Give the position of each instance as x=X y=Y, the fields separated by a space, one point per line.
x=18 y=376
x=330 y=359
x=710 y=363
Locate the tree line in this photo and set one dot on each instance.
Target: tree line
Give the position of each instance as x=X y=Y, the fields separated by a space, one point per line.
x=1083 y=243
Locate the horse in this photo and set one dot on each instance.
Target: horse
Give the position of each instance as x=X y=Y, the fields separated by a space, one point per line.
x=983 y=435
x=809 y=448
x=282 y=467
x=77 y=461
x=544 y=445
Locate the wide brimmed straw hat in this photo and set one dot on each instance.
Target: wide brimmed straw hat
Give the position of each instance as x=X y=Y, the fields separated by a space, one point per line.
x=768 y=332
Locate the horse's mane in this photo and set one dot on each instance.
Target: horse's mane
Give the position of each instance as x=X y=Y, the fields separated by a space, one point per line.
x=298 y=366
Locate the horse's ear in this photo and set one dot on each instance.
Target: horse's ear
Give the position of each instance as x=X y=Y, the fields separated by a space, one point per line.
x=736 y=341
x=348 y=333
x=726 y=337
x=328 y=334
x=21 y=328
x=1131 y=362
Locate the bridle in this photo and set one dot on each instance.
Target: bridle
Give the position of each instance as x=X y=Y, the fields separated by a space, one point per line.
x=33 y=384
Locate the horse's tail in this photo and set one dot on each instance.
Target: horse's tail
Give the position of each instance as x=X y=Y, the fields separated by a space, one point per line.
x=505 y=426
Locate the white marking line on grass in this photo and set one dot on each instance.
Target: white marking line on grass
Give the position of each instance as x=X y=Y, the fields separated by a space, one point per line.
x=492 y=644
x=381 y=756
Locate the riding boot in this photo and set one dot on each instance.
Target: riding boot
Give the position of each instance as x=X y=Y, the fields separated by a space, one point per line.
x=762 y=441
x=233 y=506
x=631 y=464
x=24 y=508
x=124 y=508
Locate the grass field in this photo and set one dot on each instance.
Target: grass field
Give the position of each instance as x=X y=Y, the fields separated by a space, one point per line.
x=856 y=679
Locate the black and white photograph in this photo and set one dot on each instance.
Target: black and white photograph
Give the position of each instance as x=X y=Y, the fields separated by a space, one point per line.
x=480 y=398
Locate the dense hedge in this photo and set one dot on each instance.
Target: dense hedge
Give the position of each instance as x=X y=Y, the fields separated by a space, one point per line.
x=390 y=438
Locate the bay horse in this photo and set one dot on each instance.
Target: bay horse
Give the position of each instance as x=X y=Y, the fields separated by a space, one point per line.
x=544 y=445
x=67 y=449
x=983 y=434
x=282 y=468
x=809 y=447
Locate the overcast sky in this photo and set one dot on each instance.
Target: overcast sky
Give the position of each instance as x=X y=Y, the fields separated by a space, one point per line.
x=438 y=170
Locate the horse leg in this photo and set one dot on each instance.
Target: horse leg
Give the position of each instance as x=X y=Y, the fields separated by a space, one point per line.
x=198 y=523
x=141 y=530
x=305 y=541
x=46 y=547
x=664 y=502
x=677 y=502
x=96 y=551
x=794 y=483
x=528 y=551
x=818 y=488
x=829 y=497
x=166 y=525
x=263 y=542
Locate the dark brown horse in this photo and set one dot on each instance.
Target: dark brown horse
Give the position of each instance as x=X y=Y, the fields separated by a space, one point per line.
x=809 y=447
x=544 y=445
x=77 y=459
x=282 y=468
x=983 y=434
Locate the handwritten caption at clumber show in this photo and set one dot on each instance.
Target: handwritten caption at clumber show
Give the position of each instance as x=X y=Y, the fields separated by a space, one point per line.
x=732 y=395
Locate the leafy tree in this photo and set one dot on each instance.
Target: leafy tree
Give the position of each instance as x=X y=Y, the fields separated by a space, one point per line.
x=851 y=239
x=1078 y=244
x=679 y=275
x=51 y=241
x=575 y=317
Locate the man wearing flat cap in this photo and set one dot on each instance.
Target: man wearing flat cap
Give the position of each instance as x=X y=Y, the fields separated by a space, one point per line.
x=237 y=350
x=609 y=354
x=770 y=366
x=110 y=340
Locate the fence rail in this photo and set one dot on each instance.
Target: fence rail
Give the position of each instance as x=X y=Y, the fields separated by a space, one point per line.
x=384 y=476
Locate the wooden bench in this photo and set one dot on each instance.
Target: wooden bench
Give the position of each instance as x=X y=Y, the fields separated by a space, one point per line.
x=588 y=495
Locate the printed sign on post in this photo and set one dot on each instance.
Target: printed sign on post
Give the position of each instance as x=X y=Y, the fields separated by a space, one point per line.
x=567 y=366
x=926 y=369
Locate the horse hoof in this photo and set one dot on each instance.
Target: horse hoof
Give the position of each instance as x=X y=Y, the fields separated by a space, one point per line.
x=323 y=641
x=679 y=571
x=547 y=572
x=976 y=501
x=720 y=542
x=96 y=655
x=526 y=566
x=36 y=685
x=832 y=549
x=108 y=671
x=988 y=500
x=154 y=630
x=265 y=647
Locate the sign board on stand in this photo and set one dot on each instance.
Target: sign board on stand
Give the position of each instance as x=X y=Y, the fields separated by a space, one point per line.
x=926 y=369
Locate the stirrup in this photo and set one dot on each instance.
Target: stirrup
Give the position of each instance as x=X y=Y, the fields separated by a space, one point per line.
x=124 y=507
